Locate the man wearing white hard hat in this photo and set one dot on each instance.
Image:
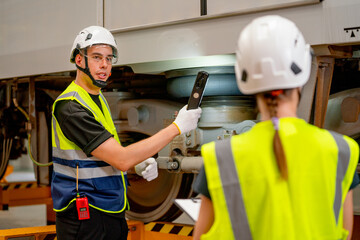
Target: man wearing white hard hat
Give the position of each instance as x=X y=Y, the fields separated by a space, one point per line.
x=89 y=182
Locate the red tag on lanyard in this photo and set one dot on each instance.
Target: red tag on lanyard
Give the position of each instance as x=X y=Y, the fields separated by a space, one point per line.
x=82 y=206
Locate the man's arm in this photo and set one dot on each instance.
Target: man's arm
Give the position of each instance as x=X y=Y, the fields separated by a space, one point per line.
x=124 y=158
x=80 y=126
x=206 y=218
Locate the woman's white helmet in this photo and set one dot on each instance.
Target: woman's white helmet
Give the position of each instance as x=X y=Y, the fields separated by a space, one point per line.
x=271 y=54
x=90 y=36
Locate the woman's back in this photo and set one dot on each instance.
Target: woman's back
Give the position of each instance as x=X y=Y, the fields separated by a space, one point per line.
x=302 y=207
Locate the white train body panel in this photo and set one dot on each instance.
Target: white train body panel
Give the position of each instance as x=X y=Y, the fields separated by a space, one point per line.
x=154 y=36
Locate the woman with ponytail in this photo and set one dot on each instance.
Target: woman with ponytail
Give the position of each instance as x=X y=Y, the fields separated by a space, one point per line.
x=284 y=178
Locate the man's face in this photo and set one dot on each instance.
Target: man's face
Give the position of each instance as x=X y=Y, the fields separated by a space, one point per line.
x=100 y=61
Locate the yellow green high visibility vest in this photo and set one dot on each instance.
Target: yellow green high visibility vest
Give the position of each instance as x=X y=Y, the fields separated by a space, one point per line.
x=252 y=202
x=104 y=185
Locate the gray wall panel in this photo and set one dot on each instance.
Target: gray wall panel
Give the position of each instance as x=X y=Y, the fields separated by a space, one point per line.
x=36 y=36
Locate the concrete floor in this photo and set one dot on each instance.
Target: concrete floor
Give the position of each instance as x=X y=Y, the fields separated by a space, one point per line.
x=23 y=216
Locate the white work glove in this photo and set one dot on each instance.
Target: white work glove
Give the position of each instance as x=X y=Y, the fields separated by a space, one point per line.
x=187 y=120
x=147 y=169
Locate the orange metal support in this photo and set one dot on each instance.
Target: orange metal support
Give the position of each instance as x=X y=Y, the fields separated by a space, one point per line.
x=40 y=233
x=136 y=230
x=23 y=193
x=26 y=193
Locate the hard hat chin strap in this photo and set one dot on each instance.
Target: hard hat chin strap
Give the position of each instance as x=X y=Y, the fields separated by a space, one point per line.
x=86 y=70
x=98 y=83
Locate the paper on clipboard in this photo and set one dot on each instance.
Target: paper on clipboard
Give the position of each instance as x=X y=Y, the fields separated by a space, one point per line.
x=190 y=206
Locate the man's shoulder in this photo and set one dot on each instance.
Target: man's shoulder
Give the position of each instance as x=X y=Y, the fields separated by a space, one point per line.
x=67 y=107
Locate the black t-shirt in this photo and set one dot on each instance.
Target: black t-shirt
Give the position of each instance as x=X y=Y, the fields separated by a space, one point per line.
x=200 y=184
x=80 y=126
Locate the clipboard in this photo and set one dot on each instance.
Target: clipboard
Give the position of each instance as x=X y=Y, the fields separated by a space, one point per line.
x=190 y=206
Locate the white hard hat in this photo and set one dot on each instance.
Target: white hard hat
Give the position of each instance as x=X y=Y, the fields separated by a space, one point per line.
x=271 y=54
x=90 y=36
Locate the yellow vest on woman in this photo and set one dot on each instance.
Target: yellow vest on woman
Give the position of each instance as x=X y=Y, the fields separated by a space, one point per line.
x=252 y=202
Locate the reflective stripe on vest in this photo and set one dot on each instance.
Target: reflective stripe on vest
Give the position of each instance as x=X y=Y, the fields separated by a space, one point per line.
x=342 y=166
x=228 y=174
x=72 y=154
x=87 y=173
